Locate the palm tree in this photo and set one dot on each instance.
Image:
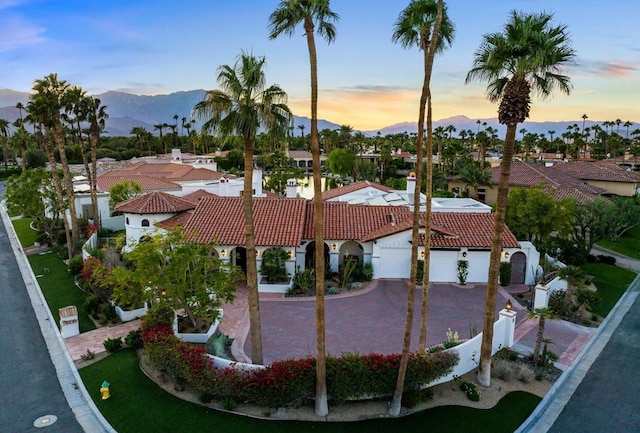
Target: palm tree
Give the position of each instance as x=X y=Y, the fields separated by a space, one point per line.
x=423 y=23
x=527 y=56
x=473 y=177
x=96 y=116
x=574 y=276
x=51 y=93
x=301 y=128
x=4 y=131
x=542 y=314
x=241 y=106
x=312 y=14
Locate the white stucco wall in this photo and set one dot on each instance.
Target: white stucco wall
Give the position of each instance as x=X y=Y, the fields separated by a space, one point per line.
x=135 y=230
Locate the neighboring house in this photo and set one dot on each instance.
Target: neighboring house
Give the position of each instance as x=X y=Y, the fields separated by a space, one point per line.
x=604 y=174
x=174 y=178
x=371 y=193
x=531 y=174
x=380 y=235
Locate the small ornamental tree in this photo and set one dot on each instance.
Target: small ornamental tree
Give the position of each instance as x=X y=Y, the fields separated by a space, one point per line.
x=168 y=269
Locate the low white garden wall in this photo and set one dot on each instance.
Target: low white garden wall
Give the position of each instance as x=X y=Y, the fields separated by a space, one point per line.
x=200 y=337
x=469 y=351
x=128 y=315
x=274 y=288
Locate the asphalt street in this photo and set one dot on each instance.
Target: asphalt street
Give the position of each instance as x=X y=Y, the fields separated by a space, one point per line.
x=29 y=386
x=607 y=399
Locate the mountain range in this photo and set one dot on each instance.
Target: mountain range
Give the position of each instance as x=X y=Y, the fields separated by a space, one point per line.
x=127 y=111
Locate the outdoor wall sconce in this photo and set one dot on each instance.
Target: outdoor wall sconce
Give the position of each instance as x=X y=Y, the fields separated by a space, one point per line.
x=334 y=247
x=464 y=254
x=257 y=253
x=508 y=305
x=290 y=254
x=422 y=254
x=505 y=255
x=223 y=253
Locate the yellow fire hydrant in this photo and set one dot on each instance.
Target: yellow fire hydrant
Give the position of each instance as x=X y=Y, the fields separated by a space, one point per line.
x=104 y=390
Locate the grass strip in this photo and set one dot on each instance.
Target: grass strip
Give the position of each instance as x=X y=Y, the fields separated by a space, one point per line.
x=58 y=287
x=611 y=282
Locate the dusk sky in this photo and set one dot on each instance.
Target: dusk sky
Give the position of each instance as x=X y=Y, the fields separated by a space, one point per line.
x=157 y=47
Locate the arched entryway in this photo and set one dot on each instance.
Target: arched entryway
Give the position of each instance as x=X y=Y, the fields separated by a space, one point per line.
x=351 y=251
x=239 y=258
x=310 y=255
x=518 y=268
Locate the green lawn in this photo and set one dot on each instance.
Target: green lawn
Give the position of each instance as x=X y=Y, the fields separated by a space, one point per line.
x=611 y=282
x=58 y=287
x=137 y=404
x=629 y=244
x=24 y=231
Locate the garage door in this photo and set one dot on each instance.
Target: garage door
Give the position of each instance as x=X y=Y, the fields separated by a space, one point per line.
x=394 y=263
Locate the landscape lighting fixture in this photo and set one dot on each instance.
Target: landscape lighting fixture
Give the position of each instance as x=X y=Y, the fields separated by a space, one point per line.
x=508 y=305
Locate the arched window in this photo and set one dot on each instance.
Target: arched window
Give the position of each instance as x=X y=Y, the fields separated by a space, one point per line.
x=127 y=220
x=145 y=223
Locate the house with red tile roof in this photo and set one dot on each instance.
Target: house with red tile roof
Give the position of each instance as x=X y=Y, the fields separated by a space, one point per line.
x=603 y=174
x=531 y=174
x=380 y=235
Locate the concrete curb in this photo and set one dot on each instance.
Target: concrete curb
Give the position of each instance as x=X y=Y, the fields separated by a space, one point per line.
x=85 y=410
x=546 y=413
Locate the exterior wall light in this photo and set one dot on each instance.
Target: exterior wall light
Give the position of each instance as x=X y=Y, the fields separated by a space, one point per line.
x=223 y=253
x=422 y=254
x=464 y=254
x=334 y=247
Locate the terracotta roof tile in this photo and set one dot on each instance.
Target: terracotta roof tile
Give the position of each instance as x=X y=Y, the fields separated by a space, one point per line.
x=198 y=195
x=277 y=222
x=106 y=181
x=180 y=219
x=598 y=170
x=154 y=203
x=336 y=192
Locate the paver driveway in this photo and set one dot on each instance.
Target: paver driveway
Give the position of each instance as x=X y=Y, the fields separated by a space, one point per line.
x=371 y=320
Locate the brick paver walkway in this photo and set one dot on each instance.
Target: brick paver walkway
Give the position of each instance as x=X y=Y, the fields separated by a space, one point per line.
x=93 y=340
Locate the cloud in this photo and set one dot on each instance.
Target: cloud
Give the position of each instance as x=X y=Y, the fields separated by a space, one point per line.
x=609 y=69
x=6 y=4
x=139 y=88
x=19 y=33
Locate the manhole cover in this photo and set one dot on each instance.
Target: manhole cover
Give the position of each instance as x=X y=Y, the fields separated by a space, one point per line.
x=44 y=421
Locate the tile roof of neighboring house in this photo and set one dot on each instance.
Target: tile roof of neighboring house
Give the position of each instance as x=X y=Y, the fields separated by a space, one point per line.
x=299 y=154
x=106 y=181
x=336 y=192
x=277 y=222
x=154 y=203
x=598 y=170
x=198 y=195
x=172 y=171
x=529 y=174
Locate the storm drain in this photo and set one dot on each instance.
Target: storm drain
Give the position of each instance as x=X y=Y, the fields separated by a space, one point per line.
x=44 y=421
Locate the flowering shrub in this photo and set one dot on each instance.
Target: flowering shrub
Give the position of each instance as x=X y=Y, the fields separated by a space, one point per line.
x=90 y=229
x=290 y=382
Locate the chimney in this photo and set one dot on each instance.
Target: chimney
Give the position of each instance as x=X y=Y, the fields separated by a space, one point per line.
x=257 y=182
x=292 y=188
x=411 y=183
x=176 y=156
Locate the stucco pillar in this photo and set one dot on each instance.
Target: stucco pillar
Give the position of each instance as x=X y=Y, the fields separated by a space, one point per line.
x=510 y=329
x=541 y=297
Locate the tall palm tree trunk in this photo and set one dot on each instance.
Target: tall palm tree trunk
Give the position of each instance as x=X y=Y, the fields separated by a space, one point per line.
x=429 y=53
x=422 y=344
x=321 y=405
x=93 y=182
x=250 y=244
x=484 y=371
x=57 y=184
